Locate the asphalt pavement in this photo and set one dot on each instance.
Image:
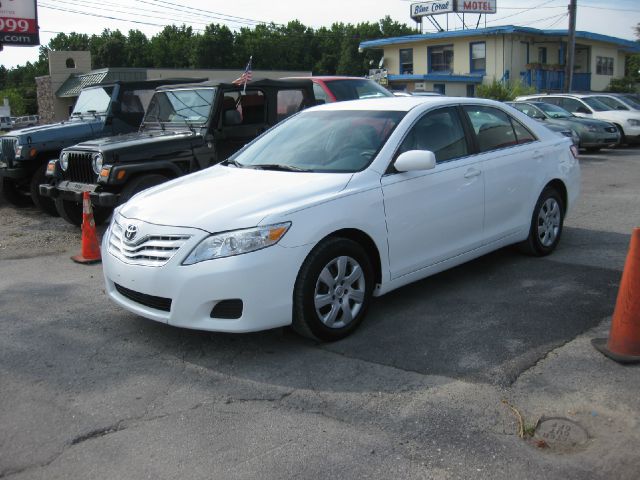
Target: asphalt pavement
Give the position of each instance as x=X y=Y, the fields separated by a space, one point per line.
x=436 y=384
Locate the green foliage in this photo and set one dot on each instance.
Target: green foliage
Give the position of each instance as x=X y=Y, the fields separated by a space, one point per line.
x=623 y=85
x=503 y=91
x=16 y=101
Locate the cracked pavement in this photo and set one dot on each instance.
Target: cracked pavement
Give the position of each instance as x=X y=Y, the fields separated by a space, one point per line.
x=90 y=391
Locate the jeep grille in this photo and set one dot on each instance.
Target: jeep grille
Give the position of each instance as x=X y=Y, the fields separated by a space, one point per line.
x=80 y=169
x=149 y=251
x=8 y=150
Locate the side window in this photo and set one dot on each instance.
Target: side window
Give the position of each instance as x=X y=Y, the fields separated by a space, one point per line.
x=570 y=104
x=245 y=109
x=492 y=126
x=289 y=102
x=523 y=135
x=439 y=131
x=320 y=94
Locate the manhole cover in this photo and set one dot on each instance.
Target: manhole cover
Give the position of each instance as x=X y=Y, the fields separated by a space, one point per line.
x=560 y=434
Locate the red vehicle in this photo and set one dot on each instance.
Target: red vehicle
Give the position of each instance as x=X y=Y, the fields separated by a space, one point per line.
x=337 y=89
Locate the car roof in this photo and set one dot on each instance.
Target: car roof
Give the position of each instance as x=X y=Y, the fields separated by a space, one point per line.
x=326 y=78
x=404 y=104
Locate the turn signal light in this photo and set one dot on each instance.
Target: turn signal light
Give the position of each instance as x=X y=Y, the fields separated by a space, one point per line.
x=33 y=152
x=104 y=173
x=121 y=174
x=51 y=168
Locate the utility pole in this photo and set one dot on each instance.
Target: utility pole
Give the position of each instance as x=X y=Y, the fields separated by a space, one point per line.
x=571 y=46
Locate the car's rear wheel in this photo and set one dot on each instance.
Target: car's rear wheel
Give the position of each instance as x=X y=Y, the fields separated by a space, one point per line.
x=546 y=224
x=45 y=204
x=72 y=212
x=13 y=194
x=333 y=290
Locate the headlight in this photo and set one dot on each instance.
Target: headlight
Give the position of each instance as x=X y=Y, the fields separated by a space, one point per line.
x=237 y=242
x=634 y=123
x=96 y=162
x=64 y=161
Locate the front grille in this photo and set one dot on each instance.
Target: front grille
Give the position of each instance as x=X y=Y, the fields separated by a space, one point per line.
x=8 y=150
x=149 y=250
x=159 y=303
x=610 y=129
x=80 y=169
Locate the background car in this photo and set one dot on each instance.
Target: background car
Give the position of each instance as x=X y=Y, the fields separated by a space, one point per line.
x=586 y=105
x=329 y=89
x=5 y=123
x=618 y=102
x=337 y=204
x=592 y=134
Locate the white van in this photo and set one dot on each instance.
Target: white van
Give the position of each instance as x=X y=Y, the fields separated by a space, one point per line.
x=5 y=123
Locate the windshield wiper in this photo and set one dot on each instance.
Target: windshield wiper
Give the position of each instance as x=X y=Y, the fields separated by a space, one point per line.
x=278 y=167
x=229 y=161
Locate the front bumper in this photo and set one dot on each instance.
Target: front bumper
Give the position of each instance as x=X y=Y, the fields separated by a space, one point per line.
x=17 y=173
x=73 y=191
x=599 y=139
x=263 y=281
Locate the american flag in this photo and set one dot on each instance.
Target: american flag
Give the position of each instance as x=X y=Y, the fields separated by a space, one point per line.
x=246 y=76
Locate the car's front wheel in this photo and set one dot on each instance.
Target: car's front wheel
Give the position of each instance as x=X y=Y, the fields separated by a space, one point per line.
x=333 y=290
x=546 y=224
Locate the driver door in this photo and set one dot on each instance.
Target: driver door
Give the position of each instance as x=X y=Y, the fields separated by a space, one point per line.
x=434 y=215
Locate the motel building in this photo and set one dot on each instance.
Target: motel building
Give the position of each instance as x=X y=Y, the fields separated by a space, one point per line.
x=456 y=62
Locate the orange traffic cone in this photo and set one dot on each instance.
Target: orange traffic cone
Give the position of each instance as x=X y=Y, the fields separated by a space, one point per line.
x=90 y=247
x=624 y=338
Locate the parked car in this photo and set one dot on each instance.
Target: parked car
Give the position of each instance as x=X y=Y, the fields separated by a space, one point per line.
x=586 y=105
x=102 y=110
x=329 y=89
x=186 y=128
x=335 y=205
x=5 y=124
x=592 y=134
x=26 y=121
x=617 y=102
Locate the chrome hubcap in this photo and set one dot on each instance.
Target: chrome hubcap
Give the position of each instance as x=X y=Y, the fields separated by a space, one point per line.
x=339 y=292
x=549 y=222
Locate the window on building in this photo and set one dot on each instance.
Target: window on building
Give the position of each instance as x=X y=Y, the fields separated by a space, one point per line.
x=71 y=63
x=478 y=56
x=441 y=58
x=439 y=88
x=542 y=54
x=604 y=65
x=471 y=90
x=406 y=61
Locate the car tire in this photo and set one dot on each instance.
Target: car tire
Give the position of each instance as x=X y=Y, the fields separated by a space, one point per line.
x=13 y=194
x=138 y=184
x=72 y=212
x=46 y=204
x=333 y=290
x=546 y=224
x=623 y=138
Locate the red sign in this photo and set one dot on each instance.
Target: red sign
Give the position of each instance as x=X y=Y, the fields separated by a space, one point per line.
x=19 y=22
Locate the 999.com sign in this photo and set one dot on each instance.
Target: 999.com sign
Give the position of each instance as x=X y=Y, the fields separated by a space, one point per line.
x=19 y=22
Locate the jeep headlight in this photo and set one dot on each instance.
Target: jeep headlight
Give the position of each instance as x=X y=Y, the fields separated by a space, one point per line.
x=64 y=161
x=237 y=242
x=96 y=162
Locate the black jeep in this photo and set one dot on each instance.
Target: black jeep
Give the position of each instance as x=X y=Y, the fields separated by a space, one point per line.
x=101 y=110
x=186 y=128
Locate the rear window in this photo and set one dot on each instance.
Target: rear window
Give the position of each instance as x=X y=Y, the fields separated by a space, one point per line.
x=356 y=88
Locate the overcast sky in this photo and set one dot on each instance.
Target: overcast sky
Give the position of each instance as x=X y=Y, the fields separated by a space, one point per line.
x=606 y=17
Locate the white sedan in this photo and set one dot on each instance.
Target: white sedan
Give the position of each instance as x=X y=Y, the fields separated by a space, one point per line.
x=335 y=205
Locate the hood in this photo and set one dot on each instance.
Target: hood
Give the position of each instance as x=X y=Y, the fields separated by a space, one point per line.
x=226 y=198
x=61 y=131
x=135 y=139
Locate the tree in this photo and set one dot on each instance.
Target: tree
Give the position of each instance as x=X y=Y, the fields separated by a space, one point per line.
x=214 y=48
x=172 y=47
x=137 y=50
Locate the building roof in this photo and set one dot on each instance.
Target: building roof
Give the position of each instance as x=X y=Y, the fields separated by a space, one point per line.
x=76 y=82
x=627 y=45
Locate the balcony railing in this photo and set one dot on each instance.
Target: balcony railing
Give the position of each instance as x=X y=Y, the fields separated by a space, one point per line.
x=553 y=80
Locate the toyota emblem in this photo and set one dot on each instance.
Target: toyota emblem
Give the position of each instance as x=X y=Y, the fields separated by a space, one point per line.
x=131 y=232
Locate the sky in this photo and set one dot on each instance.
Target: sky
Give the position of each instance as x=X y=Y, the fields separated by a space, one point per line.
x=617 y=19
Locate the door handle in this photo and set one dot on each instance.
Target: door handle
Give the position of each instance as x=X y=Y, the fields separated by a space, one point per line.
x=472 y=172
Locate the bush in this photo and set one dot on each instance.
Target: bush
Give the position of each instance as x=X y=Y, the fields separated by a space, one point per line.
x=503 y=91
x=622 y=85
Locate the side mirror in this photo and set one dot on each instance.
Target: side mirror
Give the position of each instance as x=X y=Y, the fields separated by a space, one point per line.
x=415 y=160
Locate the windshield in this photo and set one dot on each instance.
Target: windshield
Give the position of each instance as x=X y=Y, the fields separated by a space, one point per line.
x=335 y=141
x=614 y=103
x=553 y=111
x=633 y=100
x=180 y=106
x=93 y=100
x=596 y=104
x=356 y=88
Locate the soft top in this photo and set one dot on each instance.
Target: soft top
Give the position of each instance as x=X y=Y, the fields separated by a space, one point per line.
x=261 y=83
